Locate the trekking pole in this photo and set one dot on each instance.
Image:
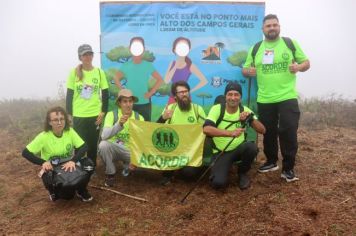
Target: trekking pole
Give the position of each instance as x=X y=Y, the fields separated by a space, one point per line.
x=244 y=123
x=207 y=170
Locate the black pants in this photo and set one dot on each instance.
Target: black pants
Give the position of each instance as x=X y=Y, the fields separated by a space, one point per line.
x=245 y=153
x=88 y=131
x=144 y=110
x=60 y=192
x=281 y=121
x=187 y=173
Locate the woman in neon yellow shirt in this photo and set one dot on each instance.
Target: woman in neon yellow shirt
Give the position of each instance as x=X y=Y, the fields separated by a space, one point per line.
x=57 y=143
x=87 y=99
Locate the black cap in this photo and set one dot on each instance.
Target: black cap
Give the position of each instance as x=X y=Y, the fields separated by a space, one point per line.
x=233 y=86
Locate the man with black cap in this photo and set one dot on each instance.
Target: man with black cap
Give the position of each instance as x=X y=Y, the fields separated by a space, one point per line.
x=115 y=136
x=230 y=127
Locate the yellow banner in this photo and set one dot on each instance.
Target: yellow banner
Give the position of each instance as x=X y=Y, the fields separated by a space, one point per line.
x=165 y=146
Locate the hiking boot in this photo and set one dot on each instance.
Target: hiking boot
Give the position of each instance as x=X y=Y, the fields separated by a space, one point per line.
x=267 y=167
x=244 y=181
x=289 y=176
x=109 y=181
x=84 y=196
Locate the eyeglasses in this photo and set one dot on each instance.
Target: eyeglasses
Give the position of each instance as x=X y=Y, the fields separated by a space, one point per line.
x=182 y=92
x=58 y=121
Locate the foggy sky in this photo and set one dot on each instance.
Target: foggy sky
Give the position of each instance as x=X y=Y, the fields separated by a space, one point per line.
x=39 y=41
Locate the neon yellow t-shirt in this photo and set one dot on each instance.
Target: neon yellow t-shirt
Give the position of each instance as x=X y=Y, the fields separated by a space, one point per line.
x=195 y=115
x=86 y=97
x=221 y=142
x=275 y=82
x=48 y=145
x=124 y=135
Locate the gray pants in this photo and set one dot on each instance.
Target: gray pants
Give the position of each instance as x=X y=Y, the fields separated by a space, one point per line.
x=110 y=152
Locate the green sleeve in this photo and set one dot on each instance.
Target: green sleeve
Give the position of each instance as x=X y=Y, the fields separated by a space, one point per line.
x=71 y=80
x=76 y=139
x=249 y=110
x=249 y=60
x=109 y=120
x=202 y=115
x=214 y=113
x=299 y=54
x=35 y=146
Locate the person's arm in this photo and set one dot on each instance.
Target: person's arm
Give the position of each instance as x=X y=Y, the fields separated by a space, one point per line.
x=170 y=72
x=302 y=67
x=32 y=157
x=156 y=86
x=249 y=72
x=108 y=132
x=117 y=77
x=69 y=101
x=79 y=153
x=209 y=129
x=104 y=100
x=258 y=126
x=202 y=80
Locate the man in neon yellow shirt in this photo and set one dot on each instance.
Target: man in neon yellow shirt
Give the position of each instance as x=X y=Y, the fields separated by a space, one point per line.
x=115 y=136
x=275 y=65
x=229 y=128
x=183 y=111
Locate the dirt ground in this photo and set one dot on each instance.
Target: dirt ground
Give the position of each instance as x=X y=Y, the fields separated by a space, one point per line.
x=321 y=203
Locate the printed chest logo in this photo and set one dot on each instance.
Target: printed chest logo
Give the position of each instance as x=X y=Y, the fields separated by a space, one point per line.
x=165 y=139
x=285 y=56
x=191 y=119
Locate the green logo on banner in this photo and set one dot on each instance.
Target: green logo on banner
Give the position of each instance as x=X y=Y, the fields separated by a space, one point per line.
x=165 y=139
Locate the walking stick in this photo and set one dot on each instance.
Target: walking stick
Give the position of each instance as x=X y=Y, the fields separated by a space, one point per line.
x=207 y=170
x=213 y=163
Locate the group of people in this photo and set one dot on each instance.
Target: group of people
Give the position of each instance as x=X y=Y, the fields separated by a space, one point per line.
x=273 y=64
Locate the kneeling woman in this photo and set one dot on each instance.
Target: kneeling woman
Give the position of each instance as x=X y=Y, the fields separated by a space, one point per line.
x=54 y=146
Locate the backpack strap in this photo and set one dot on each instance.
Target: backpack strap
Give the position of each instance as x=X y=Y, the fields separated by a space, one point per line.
x=254 y=51
x=290 y=45
x=174 y=107
x=287 y=41
x=221 y=115
x=137 y=116
x=115 y=112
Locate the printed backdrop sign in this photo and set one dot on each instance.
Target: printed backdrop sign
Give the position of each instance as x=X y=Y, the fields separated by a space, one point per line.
x=220 y=35
x=164 y=146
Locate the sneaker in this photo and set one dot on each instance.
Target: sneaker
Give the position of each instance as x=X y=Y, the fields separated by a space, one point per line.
x=109 y=181
x=289 y=176
x=244 y=181
x=267 y=167
x=125 y=172
x=84 y=196
x=53 y=197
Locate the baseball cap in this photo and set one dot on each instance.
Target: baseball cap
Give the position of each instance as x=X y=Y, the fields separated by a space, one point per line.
x=84 y=48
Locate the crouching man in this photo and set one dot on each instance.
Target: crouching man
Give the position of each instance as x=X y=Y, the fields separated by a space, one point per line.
x=115 y=136
x=230 y=125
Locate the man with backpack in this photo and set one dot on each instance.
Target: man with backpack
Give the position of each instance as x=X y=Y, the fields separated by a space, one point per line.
x=115 y=136
x=183 y=111
x=229 y=144
x=274 y=62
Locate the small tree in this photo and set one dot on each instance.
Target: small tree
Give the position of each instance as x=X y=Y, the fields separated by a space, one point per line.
x=204 y=96
x=238 y=58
